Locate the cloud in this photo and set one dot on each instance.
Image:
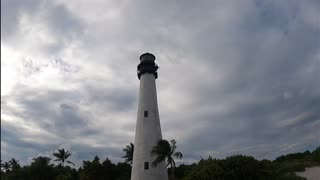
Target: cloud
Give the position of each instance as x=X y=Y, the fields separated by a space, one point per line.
x=38 y=27
x=234 y=77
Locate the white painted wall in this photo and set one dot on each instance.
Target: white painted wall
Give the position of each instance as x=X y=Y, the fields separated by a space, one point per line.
x=148 y=133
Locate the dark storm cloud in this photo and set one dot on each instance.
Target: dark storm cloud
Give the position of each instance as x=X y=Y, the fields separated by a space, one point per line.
x=48 y=109
x=63 y=25
x=255 y=125
x=274 y=91
x=11 y=12
x=119 y=99
x=270 y=76
x=235 y=77
x=13 y=136
x=16 y=143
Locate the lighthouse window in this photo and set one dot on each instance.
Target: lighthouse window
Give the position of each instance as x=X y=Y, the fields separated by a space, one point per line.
x=145 y=113
x=146 y=165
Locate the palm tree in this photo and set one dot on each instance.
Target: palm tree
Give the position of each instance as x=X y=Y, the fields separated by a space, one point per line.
x=62 y=156
x=14 y=164
x=41 y=161
x=166 y=151
x=1 y=165
x=129 y=153
x=6 y=166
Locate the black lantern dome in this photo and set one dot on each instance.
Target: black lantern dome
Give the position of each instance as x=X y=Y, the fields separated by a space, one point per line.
x=147 y=57
x=147 y=65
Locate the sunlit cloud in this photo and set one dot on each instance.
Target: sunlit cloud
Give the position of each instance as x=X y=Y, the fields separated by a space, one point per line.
x=234 y=77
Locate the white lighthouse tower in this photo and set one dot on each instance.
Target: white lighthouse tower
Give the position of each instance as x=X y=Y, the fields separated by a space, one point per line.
x=148 y=130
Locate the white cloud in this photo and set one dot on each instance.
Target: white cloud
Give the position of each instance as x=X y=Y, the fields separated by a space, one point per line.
x=233 y=77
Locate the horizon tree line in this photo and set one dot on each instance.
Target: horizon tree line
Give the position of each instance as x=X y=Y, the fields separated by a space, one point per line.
x=234 y=167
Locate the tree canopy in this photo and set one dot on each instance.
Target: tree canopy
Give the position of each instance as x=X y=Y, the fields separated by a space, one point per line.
x=62 y=156
x=128 y=150
x=238 y=167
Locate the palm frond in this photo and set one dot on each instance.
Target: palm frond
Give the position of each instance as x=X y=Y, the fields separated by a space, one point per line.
x=56 y=155
x=67 y=155
x=161 y=151
x=173 y=145
x=178 y=155
x=71 y=163
x=128 y=150
x=62 y=155
x=61 y=151
x=158 y=160
x=162 y=147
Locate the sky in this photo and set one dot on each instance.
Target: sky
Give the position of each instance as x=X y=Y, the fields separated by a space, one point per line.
x=235 y=77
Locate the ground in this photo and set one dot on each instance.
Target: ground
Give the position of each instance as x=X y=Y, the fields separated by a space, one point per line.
x=312 y=173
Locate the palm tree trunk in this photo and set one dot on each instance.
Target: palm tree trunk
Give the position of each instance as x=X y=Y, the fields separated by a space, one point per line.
x=172 y=173
x=172 y=170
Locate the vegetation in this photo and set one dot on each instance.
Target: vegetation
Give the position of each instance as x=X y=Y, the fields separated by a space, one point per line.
x=128 y=153
x=105 y=170
x=235 y=167
x=166 y=151
x=246 y=167
x=62 y=156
